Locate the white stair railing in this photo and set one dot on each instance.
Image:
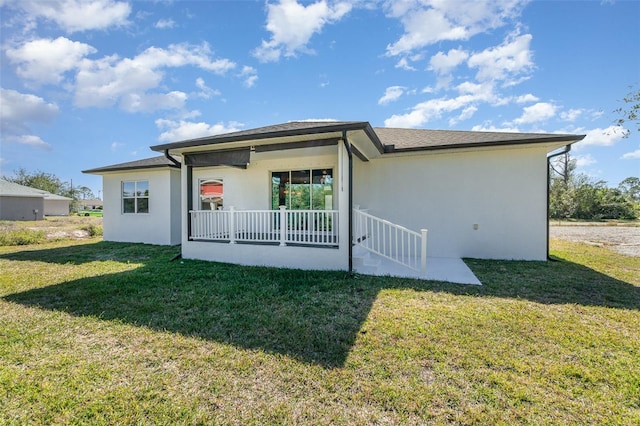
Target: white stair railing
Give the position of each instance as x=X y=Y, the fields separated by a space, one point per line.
x=391 y=241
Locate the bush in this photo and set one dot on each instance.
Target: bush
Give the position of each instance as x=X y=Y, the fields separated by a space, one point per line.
x=21 y=237
x=93 y=230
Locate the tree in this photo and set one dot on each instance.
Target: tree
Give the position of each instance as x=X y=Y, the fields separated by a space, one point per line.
x=631 y=188
x=577 y=196
x=630 y=112
x=38 y=180
x=51 y=183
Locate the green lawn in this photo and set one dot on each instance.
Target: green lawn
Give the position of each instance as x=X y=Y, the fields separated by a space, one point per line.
x=96 y=332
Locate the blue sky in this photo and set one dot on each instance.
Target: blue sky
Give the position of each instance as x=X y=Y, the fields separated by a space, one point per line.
x=91 y=83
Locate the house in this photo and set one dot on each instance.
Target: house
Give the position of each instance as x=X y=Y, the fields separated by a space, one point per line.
x=92 y=204
x=18 y=202
x=317 y=195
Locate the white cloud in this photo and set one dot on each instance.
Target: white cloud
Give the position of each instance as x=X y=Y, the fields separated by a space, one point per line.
x=571 y=115
x=585 y=160
x=431 y=21
x=470 y=95
x=46 y=60
x=20 y=109
x=512 y=58
x=426 y=111
x=250 y=76
x=444 y=63
x=524 y=99
x=392 y=94
x=466 y=114
x=205 y=91
x=31 y=140
x=116 y=146
x=79 y=15
x=488 y=127
x=601 y=137
x=633 y=155
x=537 y=112
x=403 y=63
x=164 y=24
x=292 y=25
x=109 y=80
x=147 y=102
x=183 y=130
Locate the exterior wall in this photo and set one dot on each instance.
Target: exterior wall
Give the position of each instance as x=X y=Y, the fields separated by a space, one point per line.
x=56 y=207
x=250 y=189
x=21 y=208
x=501 y=192
x=160 y=225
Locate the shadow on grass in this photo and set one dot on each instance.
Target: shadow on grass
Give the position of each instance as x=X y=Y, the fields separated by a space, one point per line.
x=312 y=316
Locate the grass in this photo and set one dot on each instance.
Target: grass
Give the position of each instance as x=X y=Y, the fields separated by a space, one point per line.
x=21 y=237
x=49 y=229
x=92 y=213
x=96 y=332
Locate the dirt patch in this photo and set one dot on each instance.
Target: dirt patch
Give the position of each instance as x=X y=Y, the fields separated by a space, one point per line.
x=57 y=227
x=622 y=239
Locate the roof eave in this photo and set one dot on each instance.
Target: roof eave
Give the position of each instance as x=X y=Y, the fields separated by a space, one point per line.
x=215 y=140
x=567 y=139
x=107 y=169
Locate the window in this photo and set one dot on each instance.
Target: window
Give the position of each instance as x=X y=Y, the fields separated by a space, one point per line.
x=211 y=194
x=302 y=189
x=135 y=196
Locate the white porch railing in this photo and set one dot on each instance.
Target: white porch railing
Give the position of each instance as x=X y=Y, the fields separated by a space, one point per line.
x=394 y=242
x=313 y=227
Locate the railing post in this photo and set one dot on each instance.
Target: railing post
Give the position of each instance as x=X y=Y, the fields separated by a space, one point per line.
x=232 y=226
x=423 y=253
x=283 y=226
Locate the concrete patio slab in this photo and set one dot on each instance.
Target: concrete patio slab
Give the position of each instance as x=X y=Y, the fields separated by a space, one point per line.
x=452 y=270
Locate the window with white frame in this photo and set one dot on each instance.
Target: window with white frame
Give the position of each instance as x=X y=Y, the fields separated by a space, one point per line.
x=135 y=196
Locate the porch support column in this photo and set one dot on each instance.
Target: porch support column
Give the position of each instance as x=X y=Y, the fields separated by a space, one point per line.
x=347 y=146
x=189 y=199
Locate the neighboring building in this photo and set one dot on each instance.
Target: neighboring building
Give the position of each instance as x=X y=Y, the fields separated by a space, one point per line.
x=90 y=204
x=18 y=202
x=480 y=195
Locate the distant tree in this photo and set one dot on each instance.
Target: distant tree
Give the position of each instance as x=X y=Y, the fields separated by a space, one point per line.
x=631 y=188
x=82 y=193
x=39 y=180
x=577 y=196
x=564 y=167
x=630 y=112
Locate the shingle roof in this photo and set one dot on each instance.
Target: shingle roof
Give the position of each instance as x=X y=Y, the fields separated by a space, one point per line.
x=147 y=163
x=293 y=128
x=11 y=189
x=396 y=139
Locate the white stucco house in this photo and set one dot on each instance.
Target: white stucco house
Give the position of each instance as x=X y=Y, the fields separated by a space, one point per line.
x=19 y=202
x=316 y=195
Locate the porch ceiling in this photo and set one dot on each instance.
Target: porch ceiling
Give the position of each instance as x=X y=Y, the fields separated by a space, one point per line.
x=359 y=134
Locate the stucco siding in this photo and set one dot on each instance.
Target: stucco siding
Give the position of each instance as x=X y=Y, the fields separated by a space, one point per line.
x=56 y=207
x=21 y=208
x=156 y=227
x=483 y=204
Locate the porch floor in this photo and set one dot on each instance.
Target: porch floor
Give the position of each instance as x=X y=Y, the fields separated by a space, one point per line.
x=452 y=270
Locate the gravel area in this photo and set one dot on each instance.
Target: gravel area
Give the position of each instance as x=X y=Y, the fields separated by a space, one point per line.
x=622 y=239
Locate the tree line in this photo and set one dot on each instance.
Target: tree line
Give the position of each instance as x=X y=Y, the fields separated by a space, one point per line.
x=53 y=184
x=577 y=196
